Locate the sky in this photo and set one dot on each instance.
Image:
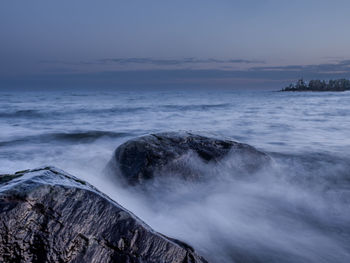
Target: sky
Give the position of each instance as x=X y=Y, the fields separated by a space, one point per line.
x=234 y=44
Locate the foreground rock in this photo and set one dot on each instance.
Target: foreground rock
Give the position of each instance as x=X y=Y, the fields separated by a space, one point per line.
x=47 y=215
x=142 y=158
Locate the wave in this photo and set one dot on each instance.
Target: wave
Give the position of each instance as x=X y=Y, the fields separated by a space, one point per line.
x=197 y=107
x=21 y=114
x=31 y=113
x=117 y=110
x=295 y=210
x=71 y=137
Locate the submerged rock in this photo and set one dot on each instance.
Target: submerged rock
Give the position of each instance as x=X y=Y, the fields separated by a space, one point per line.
x=142 y=158
x=47 y=215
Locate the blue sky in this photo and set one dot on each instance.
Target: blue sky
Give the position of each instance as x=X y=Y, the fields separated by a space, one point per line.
x=114 y=43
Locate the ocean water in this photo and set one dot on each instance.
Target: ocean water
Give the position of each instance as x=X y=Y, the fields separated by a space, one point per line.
x=296 y=210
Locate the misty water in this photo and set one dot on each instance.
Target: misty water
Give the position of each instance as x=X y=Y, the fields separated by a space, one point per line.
x=295 y=210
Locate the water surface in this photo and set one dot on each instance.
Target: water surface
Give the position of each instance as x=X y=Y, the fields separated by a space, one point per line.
x=295 y=211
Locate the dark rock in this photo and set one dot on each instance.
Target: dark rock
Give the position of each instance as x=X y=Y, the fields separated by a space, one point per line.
x=140 y=159
x=47 y=215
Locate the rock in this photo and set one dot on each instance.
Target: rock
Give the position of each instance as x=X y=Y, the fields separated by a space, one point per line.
x=140 y=159
x=47 y=215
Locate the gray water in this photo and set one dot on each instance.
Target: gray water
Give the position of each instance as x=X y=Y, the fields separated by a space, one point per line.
x=297 y=210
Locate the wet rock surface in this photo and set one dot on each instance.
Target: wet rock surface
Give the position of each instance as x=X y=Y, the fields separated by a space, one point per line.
x=141 y=159
x=47 y=215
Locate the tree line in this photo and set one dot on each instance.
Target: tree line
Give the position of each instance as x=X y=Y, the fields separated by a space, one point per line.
x=319 y=85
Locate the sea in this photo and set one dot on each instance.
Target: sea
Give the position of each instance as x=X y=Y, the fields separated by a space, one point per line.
x=295 y=210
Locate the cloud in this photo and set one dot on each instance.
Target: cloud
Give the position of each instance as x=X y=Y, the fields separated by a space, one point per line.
x=177 y=61
x=157 y=62
x=327 y=69
x=269 y=77
x=342 y=66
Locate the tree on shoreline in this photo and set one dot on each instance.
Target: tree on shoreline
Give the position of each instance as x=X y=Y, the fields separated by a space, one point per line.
x=319 y=85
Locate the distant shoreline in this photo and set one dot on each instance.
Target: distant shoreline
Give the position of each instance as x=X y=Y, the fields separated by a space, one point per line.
x=309 y=90
x=339 y=85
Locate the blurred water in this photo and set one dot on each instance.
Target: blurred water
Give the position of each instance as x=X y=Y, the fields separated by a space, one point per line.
x=297 y=211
